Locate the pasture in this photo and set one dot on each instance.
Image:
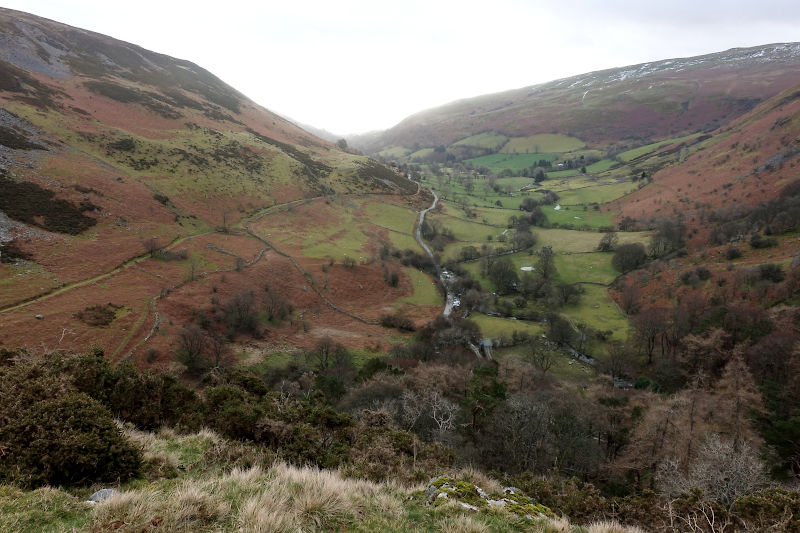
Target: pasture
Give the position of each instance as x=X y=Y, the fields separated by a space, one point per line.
x=543 y=143
x=490 y=140
x=425 y=290
x=577 y=216
x=514 y=162
x=493 y=327
x=630 y=155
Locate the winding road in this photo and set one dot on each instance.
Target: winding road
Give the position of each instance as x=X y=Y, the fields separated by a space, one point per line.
x=445 y=282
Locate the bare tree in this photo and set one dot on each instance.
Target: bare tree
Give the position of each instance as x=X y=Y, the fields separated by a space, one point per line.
x=543 y=353
x=620 y=359
x=151 y=246
x=608 y=242
x=216 y=347
x=631 y=299
x=722 y=470
x=649 y=325
x=326 y=353
x=442 y=411
x=191 y=346
x=428 y=412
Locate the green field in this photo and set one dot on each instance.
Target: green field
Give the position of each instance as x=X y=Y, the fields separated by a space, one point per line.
x=595 y=267
x=578 y=217
x=490 y=215
x=335 y=241
x=562 y=173
x=565 y=240
x=455 y=193
x=391 y=216
x=464 y=230
x=489 y=140
x=543 y=143
x=630 y=155
x=421 y=154
x=394 y=152
x=493 y=327
x=601 y=166
x=425 y=290
x=403 y=241
x=599 y=311
x=500 y=162
x=595 y=194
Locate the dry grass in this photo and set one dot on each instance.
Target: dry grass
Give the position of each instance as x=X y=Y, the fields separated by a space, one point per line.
x=612 y=527
x=461 y=524
x=280 y=498
x=478 y=478
x=206 y=493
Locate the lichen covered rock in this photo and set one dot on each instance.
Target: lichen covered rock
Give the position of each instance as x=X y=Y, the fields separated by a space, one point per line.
x=443 y=489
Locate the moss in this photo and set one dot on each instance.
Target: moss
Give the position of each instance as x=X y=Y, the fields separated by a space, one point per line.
x=438 y=482
x=532 y=509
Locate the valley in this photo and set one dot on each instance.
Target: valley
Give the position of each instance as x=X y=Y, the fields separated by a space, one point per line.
x=577 y=299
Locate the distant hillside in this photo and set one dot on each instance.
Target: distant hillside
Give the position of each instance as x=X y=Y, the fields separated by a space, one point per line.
x=649 y=101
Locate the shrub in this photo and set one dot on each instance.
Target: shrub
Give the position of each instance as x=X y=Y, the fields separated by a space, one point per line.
x=67 y=440
x=732 y=253
x=629 y=257
x=771 y=272
x=32 y=204
x=703 y=273
x=97 y=315
x=397 y=321
x=769 y=509
x=125 y=144
x=10 y=252
x=757 y=241
x=690 y=277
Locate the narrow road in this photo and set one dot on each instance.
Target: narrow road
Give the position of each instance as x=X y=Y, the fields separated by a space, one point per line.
x=448 y=306
x=422 y=220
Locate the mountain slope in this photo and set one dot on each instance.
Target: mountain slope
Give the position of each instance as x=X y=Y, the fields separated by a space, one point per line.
x=156 y=145
x=647 y=101
x=106 y=147
x=746 y=163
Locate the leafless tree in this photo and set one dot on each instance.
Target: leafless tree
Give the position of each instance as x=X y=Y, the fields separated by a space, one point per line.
x=608 y=242
x=543 y=353
x=151 y=246
x=216 y=346
x=723 y=470
x=191 y=346
x=442 y=411
x=325 y=354
x=631 y=299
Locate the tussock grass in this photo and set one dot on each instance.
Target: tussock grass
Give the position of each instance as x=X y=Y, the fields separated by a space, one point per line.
x=612 y=527
x=461 y=524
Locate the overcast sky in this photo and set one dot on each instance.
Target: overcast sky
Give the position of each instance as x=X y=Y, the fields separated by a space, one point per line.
x=351 y=66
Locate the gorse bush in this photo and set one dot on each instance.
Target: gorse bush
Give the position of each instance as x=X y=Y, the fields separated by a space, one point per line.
x=67 y=440
x=302 y=429
x=51 y=433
